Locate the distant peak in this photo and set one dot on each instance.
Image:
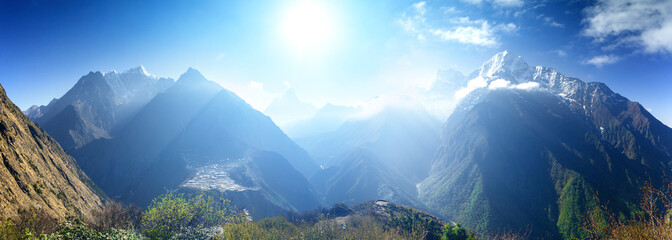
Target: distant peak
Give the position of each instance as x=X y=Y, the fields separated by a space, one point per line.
x=192 y=75
x=504 y=63
x=192 y=70
x=139 y=70
x=113 y=72
x=505 y=58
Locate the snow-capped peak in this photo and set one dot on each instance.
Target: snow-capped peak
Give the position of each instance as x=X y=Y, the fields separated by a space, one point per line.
x=113 y=72
x=505 y=65
x=139 y=69
x=507 y=71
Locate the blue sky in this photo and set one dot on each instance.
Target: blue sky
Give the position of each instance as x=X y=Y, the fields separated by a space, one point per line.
x=366 y=48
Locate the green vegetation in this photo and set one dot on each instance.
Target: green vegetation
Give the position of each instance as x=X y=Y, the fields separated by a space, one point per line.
x=576 y=199
x=652 y=221
x=456 y=232
x=209 y=216
x=172 y=214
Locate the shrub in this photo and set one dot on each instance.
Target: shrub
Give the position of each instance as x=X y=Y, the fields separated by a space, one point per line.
x=8 y=230
x=117 y=216
x=74 y=230
x=36 y=220
x=171 y=214
x=651 y=221
x=456 y=232
x=27 y=224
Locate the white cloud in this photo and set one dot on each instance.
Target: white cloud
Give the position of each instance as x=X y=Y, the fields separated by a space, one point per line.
x=420 y=7
x=508 y=28
x=499 y=83
x=478 y=32
x=556 y=24
x=466 y=20
x=602 y=60
x=646 y=23
x=472 y=85
x=560 y=53
x=508 y=3
x=548 y=21
x=481 y=36
x=479 y=82
x=527 y=86
x=287 y=84
x=475 y=2
x=659 y=40
x=414 y=22
x=484 y=35
x=498 y=3
x=449 y=10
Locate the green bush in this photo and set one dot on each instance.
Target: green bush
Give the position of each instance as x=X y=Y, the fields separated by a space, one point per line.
x=8 y=230
x=171 y=214
x=456 y=232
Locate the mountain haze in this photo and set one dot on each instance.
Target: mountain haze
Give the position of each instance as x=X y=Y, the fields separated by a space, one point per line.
x=403 y=138
x=289 y=109
x=193 y=124
x=326 y=119
x=360 y=177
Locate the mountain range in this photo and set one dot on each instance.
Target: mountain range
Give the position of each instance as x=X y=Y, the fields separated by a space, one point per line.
x=165 y=140
x=515 y=147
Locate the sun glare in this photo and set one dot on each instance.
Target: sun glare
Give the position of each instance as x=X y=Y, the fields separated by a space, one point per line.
x=308 y=26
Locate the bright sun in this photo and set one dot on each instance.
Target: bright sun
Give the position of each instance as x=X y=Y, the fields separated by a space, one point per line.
x=308 y=26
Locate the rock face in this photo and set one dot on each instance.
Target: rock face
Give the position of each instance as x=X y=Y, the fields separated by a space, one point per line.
x=36 y=172
x=535 y=150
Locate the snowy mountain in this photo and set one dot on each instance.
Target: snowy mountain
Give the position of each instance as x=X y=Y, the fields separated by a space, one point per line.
x=529 y=148
x=97 y=105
